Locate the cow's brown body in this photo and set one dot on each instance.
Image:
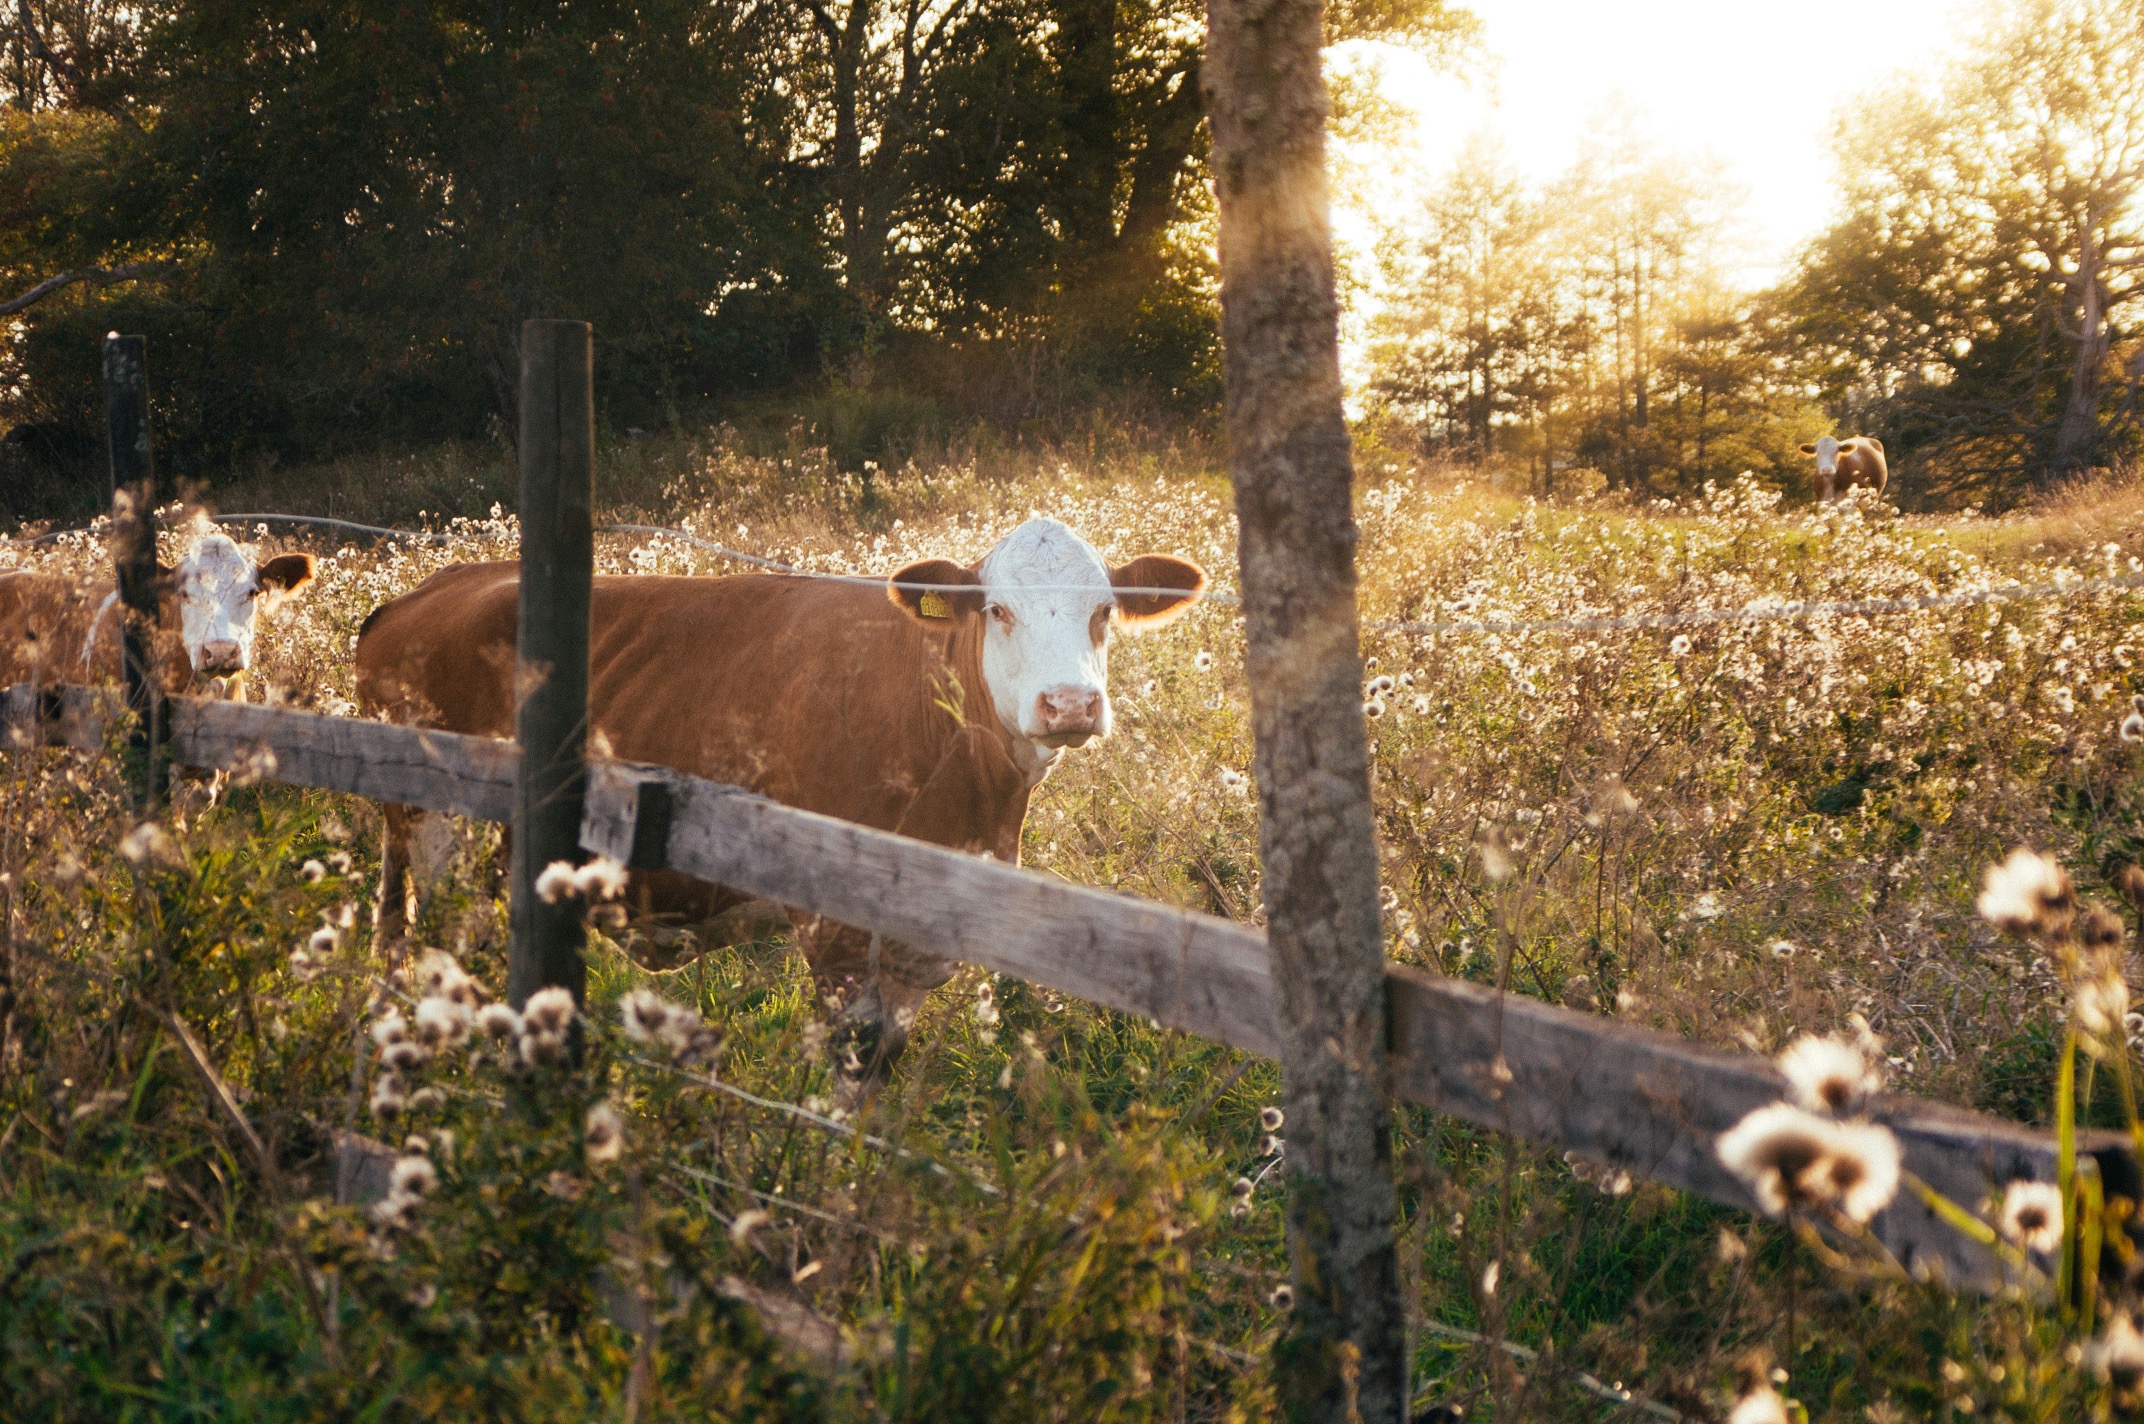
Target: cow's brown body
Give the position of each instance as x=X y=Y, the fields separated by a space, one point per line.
x=47 y=622
x=817 y=694
x=1861 y=465
x=55 y=629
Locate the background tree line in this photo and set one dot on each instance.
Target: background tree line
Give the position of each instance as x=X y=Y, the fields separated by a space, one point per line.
x=1972 y=301
x=333 y=215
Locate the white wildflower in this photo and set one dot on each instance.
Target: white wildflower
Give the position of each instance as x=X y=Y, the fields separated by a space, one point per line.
x=440 y=1021
x=1270 y=1118
x=645 y=1016
x=1679 y=644
x=403 y=1055
x=1863 y=1169
x=1772 y=1150
x=146 y=842
x=1761 y=1405
x=2023 y=890
x=498 y=1021
x=604 y=1134
x=2031 y=1216
x=548 y=1011
x=397 y=1210
x=556 y=882
x=313 y=872
x=2117 y=1356
x=389 y=1027
x=1202 y=660
x=601 y=879
x=414 y=1175
x=388 y=1098
x=1829 y=1076
x=2101 y=1005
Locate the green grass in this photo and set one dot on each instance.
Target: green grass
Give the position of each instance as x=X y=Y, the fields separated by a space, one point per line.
x=1835 y=788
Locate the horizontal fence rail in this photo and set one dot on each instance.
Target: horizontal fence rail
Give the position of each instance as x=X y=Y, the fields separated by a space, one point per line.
x=1607 y=1092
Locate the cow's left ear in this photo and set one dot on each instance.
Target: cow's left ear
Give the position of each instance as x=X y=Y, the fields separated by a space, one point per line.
x=286 y=573
x=935 y=589
x=1808 y=449
x=1158 y=588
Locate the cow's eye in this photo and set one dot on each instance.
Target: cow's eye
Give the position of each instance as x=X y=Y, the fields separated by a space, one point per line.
x=1000 y=612
x=1098 y=625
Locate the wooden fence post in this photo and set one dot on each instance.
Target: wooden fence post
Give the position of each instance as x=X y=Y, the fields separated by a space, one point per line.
x=133 y=546
x=1344 y=1353
x=551 y=665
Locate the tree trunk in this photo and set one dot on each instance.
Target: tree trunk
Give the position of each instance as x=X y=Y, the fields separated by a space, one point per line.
x=1343 y=1355
x=2077 y=439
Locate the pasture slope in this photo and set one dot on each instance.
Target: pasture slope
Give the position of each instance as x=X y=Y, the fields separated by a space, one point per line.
x=1738 y=832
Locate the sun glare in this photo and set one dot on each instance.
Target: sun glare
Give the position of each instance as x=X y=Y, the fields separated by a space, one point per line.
x=1759 y=86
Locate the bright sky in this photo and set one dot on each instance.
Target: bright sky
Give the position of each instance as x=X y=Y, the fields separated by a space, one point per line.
x=1755 y=81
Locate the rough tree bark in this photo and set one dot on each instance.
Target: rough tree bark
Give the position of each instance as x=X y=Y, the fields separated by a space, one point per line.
x=1344 y=1353
x=2077 y=438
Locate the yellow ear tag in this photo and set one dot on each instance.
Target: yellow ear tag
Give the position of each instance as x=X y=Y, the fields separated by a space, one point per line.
x=933 y=605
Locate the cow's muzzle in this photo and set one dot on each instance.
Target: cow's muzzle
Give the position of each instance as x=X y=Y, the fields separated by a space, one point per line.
x=221 y=657
x=1068 y=716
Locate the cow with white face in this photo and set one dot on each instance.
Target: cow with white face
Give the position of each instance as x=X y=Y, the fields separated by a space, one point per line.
x=220 y=592
x=1853 y=463
x=931 y=705
x=1046 y=602
x=208 y=617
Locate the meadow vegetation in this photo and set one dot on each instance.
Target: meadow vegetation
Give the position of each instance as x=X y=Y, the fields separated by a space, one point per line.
x=1741 y=832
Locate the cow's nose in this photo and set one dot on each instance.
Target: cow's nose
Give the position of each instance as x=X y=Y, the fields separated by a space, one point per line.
x=1064 y=710
x=222 y=655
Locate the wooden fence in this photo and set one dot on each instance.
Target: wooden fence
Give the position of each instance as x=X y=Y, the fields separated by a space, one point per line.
x=1649 y=1103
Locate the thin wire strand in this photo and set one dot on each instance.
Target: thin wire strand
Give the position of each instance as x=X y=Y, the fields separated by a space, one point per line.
x=1591 y=1384
x=426 y=535
x=1764 y=612
x=777 y=566
x=1771 y=612
x=805 y=1114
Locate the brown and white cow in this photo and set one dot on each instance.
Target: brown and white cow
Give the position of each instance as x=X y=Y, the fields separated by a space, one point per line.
x=1853 y=463
x=53 y=629
x=933 y=712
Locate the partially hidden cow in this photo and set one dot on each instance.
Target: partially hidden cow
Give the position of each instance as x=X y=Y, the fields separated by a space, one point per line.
x=931 y=705
x=1853 y=463
x=54 y=629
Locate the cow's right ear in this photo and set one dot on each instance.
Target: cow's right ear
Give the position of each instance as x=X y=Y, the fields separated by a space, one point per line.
x=1808 y=449
x=936 y=589
x=287 y=572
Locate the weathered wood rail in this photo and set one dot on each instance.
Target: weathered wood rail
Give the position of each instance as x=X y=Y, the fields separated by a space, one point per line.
x=1609 y=1092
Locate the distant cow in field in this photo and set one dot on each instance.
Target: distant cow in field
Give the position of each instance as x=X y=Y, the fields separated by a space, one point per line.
x=55 y=630
x=1842 y=465
x=931 y=705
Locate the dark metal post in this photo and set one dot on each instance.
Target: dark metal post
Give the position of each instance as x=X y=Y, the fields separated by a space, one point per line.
x=551 y=667
x=133 y=543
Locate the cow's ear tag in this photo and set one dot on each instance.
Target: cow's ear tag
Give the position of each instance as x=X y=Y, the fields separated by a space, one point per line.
x=933 y=605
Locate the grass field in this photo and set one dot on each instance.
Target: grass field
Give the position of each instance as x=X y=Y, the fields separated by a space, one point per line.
x=1738 y=831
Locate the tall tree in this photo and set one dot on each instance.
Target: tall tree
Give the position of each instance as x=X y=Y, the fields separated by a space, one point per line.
x=1978 y=290
x=1344 y=1354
